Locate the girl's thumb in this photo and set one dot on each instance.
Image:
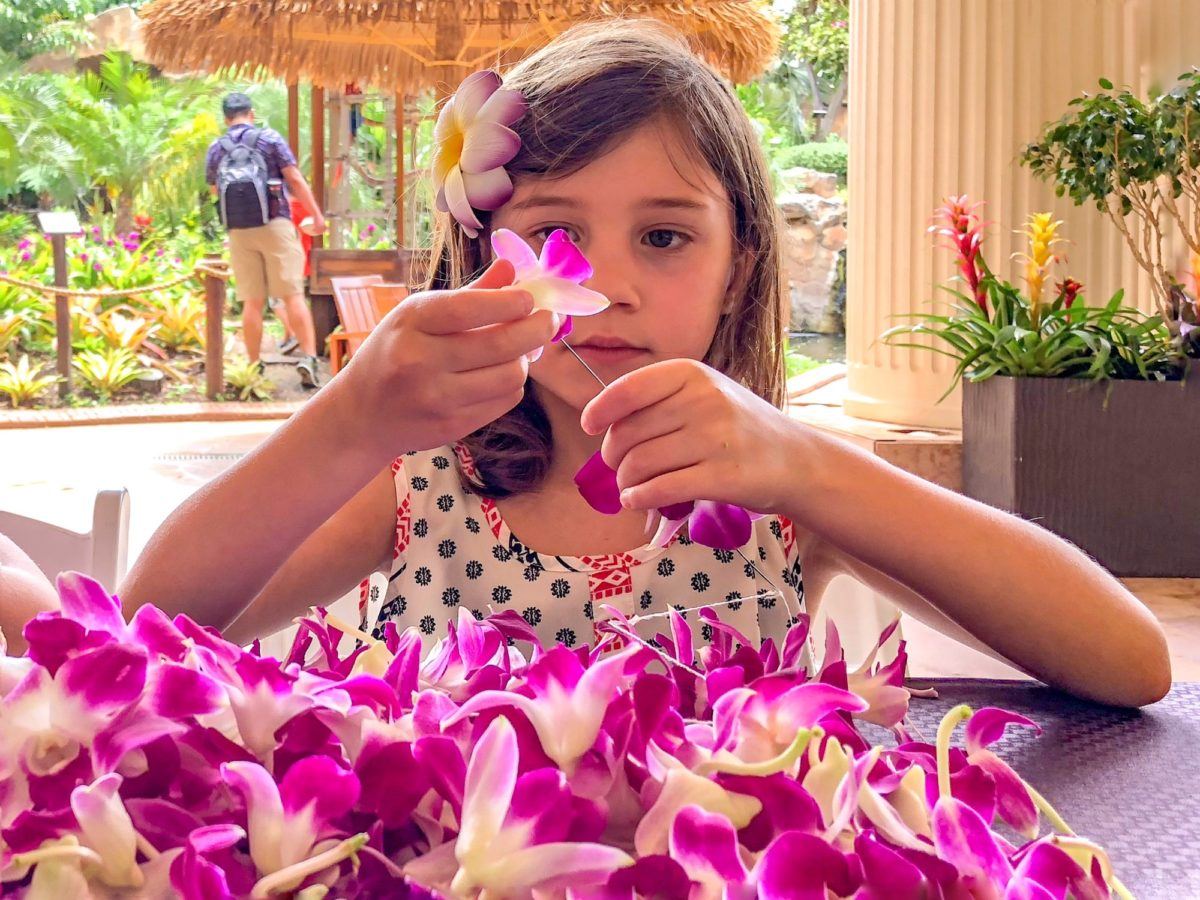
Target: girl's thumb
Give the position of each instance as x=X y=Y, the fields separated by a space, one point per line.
x=499 y=274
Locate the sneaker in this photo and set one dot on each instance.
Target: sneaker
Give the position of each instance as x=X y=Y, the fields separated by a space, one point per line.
x=307 y=367
x=288 y=347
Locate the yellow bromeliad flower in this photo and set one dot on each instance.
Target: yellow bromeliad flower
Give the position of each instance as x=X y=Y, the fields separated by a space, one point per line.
x=1042 y=233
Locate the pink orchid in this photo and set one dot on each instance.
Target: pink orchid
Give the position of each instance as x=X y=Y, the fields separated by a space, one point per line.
x=497 y=852
x=473 y=144
x=555 y=278
x=289 y=824
x=712 y=523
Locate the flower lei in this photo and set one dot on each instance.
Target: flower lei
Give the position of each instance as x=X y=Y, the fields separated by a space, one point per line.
x=152 y=758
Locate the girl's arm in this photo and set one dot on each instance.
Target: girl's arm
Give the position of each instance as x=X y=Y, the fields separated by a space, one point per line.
x=24 y=592
x=1038 y=601
x=677 y=430
x=219 y=550
x=438 y=366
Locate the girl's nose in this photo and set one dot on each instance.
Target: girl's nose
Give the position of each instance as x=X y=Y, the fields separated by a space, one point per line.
x=613 y=276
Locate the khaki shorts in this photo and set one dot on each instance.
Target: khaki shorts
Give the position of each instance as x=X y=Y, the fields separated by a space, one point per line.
x=268 y=261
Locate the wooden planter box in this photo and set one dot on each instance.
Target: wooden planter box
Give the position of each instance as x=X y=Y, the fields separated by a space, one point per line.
x=1111 y=467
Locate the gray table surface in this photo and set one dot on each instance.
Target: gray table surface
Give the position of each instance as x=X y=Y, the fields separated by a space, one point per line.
x=1127 y=779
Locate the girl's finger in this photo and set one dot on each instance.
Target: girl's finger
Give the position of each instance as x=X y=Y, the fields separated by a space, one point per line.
x=450 y=312
x=676 y=486
x=658 y=456
x=499 y=274
x=629 y=393
x=488 y=383
x=495 y=344
x=644 y=425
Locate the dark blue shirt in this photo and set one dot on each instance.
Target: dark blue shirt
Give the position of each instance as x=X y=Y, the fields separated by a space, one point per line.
x=274 y=150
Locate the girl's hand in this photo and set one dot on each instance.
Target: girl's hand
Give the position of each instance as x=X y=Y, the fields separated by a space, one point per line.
x=444 y=363
x=679 y=430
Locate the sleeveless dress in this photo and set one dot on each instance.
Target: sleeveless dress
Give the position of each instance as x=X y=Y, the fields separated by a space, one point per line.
x=453 y=549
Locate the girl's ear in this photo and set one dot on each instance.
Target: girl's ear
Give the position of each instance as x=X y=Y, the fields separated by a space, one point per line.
x=739 y=272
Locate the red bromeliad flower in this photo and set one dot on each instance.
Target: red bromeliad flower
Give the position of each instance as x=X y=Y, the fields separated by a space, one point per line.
x=958 y=221
x=1069 y=288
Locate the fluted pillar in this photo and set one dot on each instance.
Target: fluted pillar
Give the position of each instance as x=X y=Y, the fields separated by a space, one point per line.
x=944 y=94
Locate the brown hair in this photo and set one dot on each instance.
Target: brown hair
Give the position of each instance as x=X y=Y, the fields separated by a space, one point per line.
x=585 y=90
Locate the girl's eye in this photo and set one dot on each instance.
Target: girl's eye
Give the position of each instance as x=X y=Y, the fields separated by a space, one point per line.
x=665 y=239
x=542 y=234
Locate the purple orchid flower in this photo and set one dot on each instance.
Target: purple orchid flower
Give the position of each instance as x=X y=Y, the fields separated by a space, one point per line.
x=290 y=824
x=153 y=758
x=712 y=523
x=555 y=278
x=497 y=850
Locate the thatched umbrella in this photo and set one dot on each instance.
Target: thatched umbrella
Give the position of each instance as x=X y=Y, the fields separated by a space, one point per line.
x=406 y=46
x=409 y=45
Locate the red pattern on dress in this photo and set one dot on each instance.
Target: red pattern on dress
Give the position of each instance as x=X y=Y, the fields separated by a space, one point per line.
x=789 y=536
x=609 y=575
x=492 y=516
x=403 y=527
x=465 y=459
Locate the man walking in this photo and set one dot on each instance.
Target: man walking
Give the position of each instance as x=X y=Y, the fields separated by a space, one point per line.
x=247 y=169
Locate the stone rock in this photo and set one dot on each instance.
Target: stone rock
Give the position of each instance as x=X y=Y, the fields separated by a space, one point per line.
x=809 y=181
x=834 y=238
x=815 y=232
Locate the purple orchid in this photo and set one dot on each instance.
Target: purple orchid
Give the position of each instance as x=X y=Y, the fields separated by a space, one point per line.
x=712 y=523
x=153 y=758
x=555 y=278
x=473 y=143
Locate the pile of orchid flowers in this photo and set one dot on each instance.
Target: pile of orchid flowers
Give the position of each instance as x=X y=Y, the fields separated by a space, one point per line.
x=155 y=759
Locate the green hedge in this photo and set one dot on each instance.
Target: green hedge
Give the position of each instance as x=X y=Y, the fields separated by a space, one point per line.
x=829 y=156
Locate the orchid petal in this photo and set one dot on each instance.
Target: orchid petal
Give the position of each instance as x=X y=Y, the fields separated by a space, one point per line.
x=598 y=485
x=491 y=778
x=721 y=526
x=706 y=846
x=987 y=726
x=84 y=600
x=562 y=296
x=963 y=838
x=107 y=829
x=264 y=812
x=508 y=245
x=802 y=867
x=562 y=259
x=564 y=330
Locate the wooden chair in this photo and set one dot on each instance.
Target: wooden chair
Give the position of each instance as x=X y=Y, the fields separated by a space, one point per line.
x=101 y=553
x=360 y=305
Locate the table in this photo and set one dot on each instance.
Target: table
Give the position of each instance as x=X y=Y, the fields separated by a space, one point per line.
x=1127 y=779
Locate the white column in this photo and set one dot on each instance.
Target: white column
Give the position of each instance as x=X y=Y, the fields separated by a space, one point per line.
x=944 y=94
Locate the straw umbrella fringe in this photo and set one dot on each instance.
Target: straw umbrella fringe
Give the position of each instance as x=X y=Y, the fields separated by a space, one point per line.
x=415 y=44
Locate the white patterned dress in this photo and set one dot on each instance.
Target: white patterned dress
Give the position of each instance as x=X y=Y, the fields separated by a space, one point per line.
x=453 y=549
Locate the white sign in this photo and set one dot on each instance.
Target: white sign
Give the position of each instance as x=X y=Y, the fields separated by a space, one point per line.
x=59 y=223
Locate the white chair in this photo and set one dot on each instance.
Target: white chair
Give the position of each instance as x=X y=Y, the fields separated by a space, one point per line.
x=101 y=553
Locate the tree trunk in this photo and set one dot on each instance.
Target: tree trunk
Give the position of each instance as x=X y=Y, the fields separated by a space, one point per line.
x=124 y=213
x=835 y=104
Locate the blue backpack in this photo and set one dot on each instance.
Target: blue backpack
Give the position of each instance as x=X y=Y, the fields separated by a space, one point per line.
x=242 y=182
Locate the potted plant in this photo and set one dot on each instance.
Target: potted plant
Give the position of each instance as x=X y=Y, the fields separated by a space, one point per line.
x=1074 y=416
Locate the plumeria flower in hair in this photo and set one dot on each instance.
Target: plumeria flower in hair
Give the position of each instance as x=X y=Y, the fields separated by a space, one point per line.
x=473 y=144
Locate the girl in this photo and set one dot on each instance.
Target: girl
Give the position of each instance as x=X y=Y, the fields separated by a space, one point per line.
x=445 y=459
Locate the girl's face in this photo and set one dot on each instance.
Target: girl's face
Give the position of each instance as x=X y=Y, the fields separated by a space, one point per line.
x=657 y=227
